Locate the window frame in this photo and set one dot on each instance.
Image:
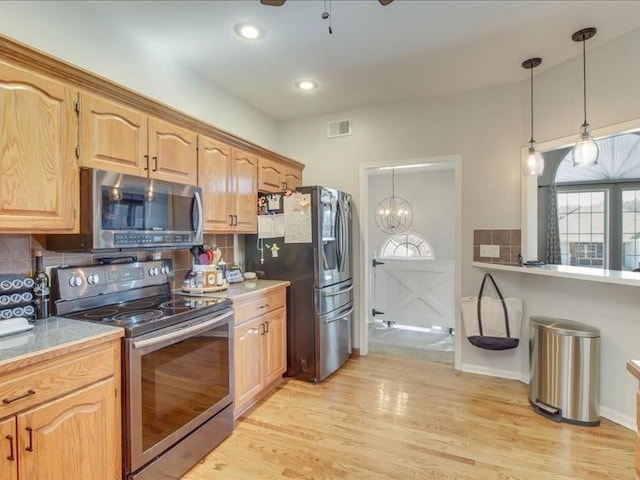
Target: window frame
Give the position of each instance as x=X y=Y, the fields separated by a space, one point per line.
x=613 y=251
x=430 y=248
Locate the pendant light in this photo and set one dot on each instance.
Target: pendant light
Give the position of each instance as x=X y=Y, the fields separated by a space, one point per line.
x=393 y=214
x=535 y=162
x=585 y=151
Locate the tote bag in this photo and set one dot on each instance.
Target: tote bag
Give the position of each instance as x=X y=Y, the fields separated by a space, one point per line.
x=492 y=323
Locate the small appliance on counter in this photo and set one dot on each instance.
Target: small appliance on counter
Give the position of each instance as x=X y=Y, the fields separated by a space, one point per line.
x=16 y=303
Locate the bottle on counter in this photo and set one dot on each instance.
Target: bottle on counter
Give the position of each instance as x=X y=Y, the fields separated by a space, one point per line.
x=41 y=288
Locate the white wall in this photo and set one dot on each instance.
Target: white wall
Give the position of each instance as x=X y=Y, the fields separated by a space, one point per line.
x=67 y=33
x=488 y=128
x=431 y=195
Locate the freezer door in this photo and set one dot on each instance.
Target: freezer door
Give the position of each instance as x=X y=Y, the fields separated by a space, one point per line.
x=333 y=341
x=331 y=298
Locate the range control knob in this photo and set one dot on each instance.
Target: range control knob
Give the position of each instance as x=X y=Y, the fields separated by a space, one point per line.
x=75 y=281
x=93 y=279
x=153 y=271
x=164 y=270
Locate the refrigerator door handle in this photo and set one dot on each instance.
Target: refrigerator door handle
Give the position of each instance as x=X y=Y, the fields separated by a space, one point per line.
x=339 y=317
x=344 y=290
x=339 y=236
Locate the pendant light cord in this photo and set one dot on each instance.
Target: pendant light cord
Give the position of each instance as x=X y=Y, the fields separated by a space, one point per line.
x=532 y=140
x=393 y=183
x=584 y=80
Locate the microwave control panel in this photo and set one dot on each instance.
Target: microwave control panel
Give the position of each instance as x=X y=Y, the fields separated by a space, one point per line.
x=132 y=238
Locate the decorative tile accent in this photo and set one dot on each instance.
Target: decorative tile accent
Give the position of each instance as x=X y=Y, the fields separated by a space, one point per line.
x=509 y=242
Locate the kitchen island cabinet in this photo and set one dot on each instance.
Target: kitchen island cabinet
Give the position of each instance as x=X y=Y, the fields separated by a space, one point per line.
x=117 y=138
x=39 y=182
x=633 y=366
x=60 y=409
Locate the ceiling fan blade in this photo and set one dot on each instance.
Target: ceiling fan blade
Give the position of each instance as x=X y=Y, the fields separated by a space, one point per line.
x=274 y=3
x=385 y=2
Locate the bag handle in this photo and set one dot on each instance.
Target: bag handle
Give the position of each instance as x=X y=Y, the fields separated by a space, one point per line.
x=504 y=305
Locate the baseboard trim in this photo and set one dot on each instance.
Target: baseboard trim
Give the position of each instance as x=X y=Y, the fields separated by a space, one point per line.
x=619 y=418
x=608 y=413
x=355 y=353
x=494 y=372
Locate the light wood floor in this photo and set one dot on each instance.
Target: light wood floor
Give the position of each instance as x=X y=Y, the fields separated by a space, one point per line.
x=384 y=417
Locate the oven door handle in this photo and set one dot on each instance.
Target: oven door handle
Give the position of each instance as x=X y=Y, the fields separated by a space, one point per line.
x=183 y=332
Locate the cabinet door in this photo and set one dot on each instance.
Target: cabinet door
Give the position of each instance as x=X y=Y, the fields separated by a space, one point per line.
x=8 y=449
x=172 y=153
x=112 y=136
x=248 y=353
x=245 y=192
x=270 y=176
x=39 y=173
x=292 y=178
x=275 y=345
x=73 y=437
x=214 y=177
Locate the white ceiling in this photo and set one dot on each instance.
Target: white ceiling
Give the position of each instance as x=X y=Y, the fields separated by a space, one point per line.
x=376 y=54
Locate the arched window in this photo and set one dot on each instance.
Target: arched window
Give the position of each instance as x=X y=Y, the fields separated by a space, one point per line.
x=407 y=245
x=598 y=207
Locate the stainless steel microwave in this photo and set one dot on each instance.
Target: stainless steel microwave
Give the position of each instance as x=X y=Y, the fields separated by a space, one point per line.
x=120 y=211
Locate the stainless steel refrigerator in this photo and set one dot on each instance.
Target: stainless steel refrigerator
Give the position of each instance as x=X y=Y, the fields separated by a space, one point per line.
x=320 y=298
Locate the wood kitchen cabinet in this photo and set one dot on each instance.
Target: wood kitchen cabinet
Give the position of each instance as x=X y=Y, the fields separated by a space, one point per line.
x=120 y=139
x=227 y=177
x=63 y=417
x=260 y=345
x=276 y=176
x=39 y=174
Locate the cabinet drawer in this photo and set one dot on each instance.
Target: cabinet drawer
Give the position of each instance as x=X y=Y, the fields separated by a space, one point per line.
x=38 y=383
x=259 y=304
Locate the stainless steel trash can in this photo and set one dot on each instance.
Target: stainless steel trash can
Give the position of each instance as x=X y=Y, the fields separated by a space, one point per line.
x=565 y=370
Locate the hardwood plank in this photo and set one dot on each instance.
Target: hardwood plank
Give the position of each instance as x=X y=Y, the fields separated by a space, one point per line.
x=383 y=417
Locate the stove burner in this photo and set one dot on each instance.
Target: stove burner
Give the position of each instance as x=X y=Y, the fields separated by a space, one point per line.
x=102 y=313
x=138 y=316
x=176 y=304
x=144 y=303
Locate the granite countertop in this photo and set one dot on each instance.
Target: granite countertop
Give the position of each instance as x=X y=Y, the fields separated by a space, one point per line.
x=248 y=287
x=47 y=336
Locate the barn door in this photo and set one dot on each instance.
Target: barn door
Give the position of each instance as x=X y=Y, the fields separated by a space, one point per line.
x=413 y=292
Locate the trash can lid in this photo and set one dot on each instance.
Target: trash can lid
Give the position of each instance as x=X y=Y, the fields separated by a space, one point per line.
x=562 y=326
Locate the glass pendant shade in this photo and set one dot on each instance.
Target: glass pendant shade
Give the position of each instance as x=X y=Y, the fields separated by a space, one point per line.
x=585 y=152
x=534 y=165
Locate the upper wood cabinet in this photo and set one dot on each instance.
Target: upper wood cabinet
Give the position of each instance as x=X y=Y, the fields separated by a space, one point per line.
x=38 y=170
x=214 y=174
x=173 y=154
x=117 y=138
x=275 y=176
x=228 y=180
x=244 y=171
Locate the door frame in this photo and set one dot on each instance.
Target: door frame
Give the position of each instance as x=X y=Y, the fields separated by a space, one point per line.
x=366 y=169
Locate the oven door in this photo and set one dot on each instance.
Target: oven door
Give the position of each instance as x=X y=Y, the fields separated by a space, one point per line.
x=177 y=379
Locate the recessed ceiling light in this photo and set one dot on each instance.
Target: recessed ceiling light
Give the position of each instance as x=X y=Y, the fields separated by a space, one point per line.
x=306 y=85
x=248 y=31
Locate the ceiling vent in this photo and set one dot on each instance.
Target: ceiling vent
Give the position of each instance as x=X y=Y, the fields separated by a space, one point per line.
x=338 y=128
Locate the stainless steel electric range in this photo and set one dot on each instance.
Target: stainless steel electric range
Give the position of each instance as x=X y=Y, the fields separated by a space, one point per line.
x=178 y=361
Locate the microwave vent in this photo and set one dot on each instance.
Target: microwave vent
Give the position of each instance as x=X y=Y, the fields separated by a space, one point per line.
x=338 y=128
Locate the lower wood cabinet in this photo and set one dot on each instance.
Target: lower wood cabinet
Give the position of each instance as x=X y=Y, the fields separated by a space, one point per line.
x=260 y=346
x=65 y=418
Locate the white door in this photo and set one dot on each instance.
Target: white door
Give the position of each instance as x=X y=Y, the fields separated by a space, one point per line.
x=414 y=292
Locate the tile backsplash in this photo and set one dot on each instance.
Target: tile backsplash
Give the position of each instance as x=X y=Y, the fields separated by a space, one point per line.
x=508 y=241
x=16 y=254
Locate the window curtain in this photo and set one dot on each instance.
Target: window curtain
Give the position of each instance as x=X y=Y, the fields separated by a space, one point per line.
x=552 y=249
